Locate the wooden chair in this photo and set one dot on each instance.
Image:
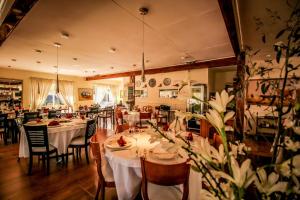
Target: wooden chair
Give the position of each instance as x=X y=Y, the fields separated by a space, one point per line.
x=119 y=117
x=161 y=118
x=121 y=127
x=37 y=138
x=104 y=115
x=155 y=175
x=52 y=114
x=144 y=116
x=3 y=127
x=83 y=141
x=217 y=140
x=30 y=116
x=105 y=174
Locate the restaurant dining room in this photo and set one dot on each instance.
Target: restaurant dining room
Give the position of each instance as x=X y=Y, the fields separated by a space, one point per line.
x=150 y=100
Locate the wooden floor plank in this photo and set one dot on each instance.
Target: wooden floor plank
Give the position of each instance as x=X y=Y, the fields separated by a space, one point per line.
x=78 y=180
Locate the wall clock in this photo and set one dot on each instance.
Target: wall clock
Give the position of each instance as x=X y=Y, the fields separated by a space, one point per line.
x=152 y=82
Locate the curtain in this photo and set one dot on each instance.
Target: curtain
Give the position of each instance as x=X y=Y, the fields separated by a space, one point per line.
x=39 y=91
x=66 y=92
x=100 y=91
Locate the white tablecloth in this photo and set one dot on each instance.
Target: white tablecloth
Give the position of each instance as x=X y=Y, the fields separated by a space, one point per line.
x=60 y=137
x=132 y=116
x=127 y=168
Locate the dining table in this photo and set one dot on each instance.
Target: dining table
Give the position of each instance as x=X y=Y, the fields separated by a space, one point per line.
x=125 y=162
x=59 y=136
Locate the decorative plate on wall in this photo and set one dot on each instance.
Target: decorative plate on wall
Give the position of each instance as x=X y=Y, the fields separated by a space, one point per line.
x=152 y=82
x=167 y=81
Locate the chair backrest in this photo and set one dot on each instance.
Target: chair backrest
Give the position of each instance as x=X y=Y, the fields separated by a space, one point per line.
x=121 y=127
x=52 y=114
x=145 y=115
x=217 y=140
x=37 y=136
x=160 y=174
x=90 y=114
x=30 y=116
x=3 y=121
x=94 y=109
x=90 y=129
x=119 y=117
x=96 y=150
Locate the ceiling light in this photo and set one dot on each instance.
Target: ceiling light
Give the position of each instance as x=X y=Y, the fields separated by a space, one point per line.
x=75 y=59
x=94 y=71
x=112 y=50
x=147 y=61
x=111 y=67
x=9 y=66
x=268 y=56
x=56 y=44
x=14 y=60
x=64 y=35
x=38 y=50
x=143 y=12
x=38 y=62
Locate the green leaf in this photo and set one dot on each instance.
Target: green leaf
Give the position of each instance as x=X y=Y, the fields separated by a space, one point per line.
x=264 y=88
x=272 y=100
x=280 y=33
x=278 y=55
x=264 y=38
x=256 y=52
x=195 y=168
x=247 y=70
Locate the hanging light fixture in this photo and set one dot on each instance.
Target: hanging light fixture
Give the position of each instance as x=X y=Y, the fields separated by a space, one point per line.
x=143 y=11
x=57 y=45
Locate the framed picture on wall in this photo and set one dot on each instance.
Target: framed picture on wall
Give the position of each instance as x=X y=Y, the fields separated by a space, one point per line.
x=85 y=94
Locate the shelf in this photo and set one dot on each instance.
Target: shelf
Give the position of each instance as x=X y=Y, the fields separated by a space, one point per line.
x=9 y=89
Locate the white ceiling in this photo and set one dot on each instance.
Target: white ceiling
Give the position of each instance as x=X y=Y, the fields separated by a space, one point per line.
x=174 y=28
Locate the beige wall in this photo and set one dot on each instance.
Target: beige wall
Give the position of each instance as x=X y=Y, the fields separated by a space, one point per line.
x=218 y=78
x=79 y=82
x=199 y=75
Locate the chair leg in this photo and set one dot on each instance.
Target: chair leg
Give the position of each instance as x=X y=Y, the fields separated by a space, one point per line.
x=56 y=155
x=102 y=192
x=77 y=155
x=87 y=154
x=67 y=156
x=98 y=189
x=30 y=165
x=48 y=164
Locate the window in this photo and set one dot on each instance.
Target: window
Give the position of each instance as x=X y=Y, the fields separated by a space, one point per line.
x=104 y=96
x=52 y=99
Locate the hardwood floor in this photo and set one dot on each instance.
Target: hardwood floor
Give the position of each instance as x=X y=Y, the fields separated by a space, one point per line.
x=78 y=180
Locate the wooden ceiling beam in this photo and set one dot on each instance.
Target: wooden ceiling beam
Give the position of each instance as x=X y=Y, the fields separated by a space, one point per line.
x=199 y=65
x=227 y=10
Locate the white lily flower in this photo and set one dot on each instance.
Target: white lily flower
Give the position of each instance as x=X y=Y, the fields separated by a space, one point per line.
x=242 y=176
x=238 y=149
x=269 y=184
x=207 y=195
x=285 y=167
x=221 y=101
x=214 y=118
x=218 y=156
x=291 y=145
x=203 y=148
x=228 y=116
x=296 y=129
x=296 y=187
x=288 y=123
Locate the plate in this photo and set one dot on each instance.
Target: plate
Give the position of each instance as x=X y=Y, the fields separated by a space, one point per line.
x=164 y=156
x=152 y=82
x=167 y=81
x=59 y=125
x=113 y=144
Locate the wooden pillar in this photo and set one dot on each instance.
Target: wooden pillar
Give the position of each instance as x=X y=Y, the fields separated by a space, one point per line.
x=240 y=95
